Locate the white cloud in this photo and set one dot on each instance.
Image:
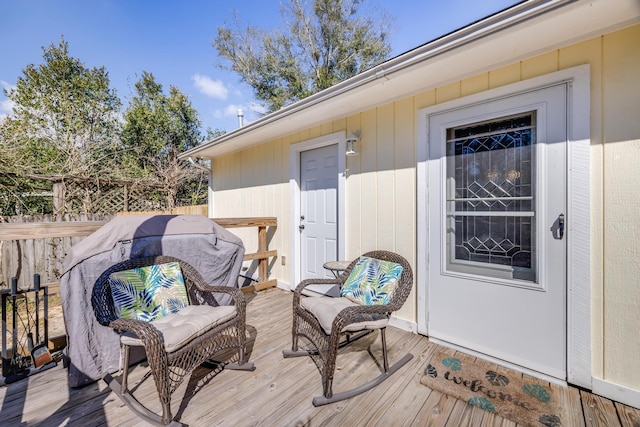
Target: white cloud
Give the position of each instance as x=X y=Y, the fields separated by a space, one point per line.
x=232 y=110
x=7 y=86
x=6 y=106
x=212 y=88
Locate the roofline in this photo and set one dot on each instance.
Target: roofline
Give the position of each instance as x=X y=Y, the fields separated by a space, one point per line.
x=526 y=10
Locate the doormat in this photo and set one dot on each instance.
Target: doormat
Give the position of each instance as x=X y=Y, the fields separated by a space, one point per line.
x=505 y=394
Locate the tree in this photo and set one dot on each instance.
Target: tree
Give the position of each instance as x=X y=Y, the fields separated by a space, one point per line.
x=157 y=129
x=64 y=123
x=65 y=117
x=325 y=42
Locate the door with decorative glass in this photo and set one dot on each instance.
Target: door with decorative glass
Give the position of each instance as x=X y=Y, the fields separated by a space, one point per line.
x=497 y=246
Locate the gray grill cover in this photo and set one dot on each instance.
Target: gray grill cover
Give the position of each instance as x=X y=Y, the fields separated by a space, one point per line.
x=93 y=350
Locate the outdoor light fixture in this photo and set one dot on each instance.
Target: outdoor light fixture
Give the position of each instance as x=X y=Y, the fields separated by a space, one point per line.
x=352 y=143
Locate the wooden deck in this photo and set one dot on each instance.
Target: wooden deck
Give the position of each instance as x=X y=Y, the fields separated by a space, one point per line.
x=279 y=391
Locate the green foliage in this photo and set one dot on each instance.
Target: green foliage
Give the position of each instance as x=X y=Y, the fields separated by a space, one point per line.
x=157 y=129
x=65 y=117
x=325 y=42
x=24 y=195
x=213 y=134
x=66 y=124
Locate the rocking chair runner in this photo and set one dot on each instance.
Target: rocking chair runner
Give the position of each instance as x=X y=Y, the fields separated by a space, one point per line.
x=177 y=343
x=323 y=321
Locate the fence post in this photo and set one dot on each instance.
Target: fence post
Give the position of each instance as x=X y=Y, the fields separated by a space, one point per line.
x=58 y=198
x=126 y=198
x=262 y=247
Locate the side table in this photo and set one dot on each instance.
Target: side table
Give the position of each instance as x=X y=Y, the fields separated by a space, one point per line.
x=336 y=267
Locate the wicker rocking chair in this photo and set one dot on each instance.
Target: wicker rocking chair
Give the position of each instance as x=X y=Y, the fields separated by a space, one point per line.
x=327 y=324
x=173 y=352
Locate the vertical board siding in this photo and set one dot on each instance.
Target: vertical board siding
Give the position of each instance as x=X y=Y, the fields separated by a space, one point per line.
x=385 y=194
x=368 y=181
x=448 y=93
x=621 y=110
x=404 y=225
x=381 y=187
x=354 y=195
x=505 y=75
x=474 y=84
x=540 y=65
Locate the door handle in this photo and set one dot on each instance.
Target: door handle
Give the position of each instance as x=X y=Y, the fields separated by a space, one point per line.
x=301 y=227
x=560 y=226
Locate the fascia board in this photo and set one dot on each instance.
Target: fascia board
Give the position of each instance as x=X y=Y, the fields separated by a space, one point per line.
x=527 y=29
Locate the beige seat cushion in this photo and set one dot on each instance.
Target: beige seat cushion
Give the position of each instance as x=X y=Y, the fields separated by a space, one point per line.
x=326 y=309
x=181 y=327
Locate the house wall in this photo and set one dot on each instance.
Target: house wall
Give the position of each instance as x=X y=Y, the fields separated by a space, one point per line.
x=255 y=182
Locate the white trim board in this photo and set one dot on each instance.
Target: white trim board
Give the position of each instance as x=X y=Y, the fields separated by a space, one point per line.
x=405 y=325
x=338 y=138
x=616 y=392
x=578 y=203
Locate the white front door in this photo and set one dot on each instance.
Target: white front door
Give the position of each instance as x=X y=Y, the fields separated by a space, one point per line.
x=496 y=214
x=318 y=220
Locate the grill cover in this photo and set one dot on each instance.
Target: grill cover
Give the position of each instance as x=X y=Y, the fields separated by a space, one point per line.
x=93 y=350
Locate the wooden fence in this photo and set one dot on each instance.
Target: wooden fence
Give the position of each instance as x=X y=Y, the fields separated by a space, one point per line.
x=40 y=247
x=180 y=210
x=39 y=244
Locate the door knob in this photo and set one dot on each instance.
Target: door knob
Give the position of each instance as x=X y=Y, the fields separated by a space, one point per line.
x=301 y=227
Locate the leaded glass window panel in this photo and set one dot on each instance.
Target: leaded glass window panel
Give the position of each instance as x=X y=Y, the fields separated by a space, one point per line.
x=491 y=198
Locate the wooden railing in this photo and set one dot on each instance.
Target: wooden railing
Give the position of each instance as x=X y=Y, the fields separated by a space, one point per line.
x=263 y=253
x=43 y=230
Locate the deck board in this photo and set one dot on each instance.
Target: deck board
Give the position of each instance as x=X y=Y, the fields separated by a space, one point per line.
x=279 y=391
x=598 y=411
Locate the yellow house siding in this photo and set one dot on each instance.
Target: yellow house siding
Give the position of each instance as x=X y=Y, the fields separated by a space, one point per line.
x=404 y=225
x=539 y=65
x=474 y=85
x=505 y=75
x=621 y=124
x=381 y=184
x=255 y=183
x=354 y=194
x=448 y=92
x=425 y=99
x=368 y=181
x=385 y=196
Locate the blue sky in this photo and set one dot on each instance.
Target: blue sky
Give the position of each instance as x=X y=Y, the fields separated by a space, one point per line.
x=173 y=40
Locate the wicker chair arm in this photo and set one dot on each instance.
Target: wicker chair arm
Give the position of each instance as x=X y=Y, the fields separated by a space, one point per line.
x=236 y=294
x=297 y=293
x=308 y=282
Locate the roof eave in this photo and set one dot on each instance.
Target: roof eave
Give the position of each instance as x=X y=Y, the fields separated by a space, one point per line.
x=265 y=128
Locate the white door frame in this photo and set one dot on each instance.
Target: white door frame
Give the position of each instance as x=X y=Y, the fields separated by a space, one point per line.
x=578 y=208
x=338 y=138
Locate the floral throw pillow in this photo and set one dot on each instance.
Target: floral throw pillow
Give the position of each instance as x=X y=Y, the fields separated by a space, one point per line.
x=372 y=281
x=149 y=293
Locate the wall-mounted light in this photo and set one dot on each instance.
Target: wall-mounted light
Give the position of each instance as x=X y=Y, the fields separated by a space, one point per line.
x=352 y=143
